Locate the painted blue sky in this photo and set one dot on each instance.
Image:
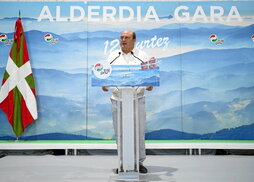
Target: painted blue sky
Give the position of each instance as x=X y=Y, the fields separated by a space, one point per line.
x=10 y=9
x=164 y=10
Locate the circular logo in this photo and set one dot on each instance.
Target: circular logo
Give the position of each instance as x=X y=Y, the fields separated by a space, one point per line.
x=102 y=70
x=3 y=38
x=48 y=37
x=213 y=38
x=98 y=67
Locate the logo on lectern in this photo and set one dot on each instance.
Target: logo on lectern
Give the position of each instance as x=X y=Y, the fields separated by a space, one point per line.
x=102 y=70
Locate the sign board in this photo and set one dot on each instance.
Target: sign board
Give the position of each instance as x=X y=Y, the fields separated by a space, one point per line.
x=146 y=74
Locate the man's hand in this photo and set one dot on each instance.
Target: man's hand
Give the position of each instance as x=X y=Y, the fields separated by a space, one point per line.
x=105 y=89
x=150 y=88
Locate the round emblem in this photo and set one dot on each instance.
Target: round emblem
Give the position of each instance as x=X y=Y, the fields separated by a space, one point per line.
x=48 y=37
x=213 y=38
x=102 y=70
x=3 y=38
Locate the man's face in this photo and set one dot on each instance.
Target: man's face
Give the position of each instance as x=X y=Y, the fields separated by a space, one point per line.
x=126 y=41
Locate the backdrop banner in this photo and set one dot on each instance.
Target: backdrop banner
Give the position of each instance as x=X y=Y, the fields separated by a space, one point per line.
x=205 y=51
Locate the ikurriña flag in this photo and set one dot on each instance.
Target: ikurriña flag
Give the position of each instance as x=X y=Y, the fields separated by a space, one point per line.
x=17 y=94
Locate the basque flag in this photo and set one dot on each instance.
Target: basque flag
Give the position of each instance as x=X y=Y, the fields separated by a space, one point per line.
x=17 y=94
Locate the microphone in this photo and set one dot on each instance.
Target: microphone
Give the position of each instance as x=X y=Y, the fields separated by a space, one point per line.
x=137 y=57
x=116 y=57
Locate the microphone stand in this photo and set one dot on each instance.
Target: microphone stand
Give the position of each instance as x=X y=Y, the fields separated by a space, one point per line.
x=137 y=57
x=116 y=57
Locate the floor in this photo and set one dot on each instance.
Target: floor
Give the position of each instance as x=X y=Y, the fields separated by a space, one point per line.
x=99 y=168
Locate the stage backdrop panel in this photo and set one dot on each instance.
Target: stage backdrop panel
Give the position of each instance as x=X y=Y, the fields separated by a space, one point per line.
x=205 y=51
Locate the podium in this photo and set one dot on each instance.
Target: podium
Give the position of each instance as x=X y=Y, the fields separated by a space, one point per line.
x=128 y=134
x=129 y=78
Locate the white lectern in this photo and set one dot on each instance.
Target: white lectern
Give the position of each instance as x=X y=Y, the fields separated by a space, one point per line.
x=128 y=77
x=128 y=135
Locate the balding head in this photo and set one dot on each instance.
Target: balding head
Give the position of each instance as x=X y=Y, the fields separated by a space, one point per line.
x=127 y=41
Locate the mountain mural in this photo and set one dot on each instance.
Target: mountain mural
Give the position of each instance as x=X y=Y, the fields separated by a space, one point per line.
x=64 y=51
x=239 y=133
x=204 y=93
x=203 y=117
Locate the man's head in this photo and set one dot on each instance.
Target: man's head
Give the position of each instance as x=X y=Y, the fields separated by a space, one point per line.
x=127 y=41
